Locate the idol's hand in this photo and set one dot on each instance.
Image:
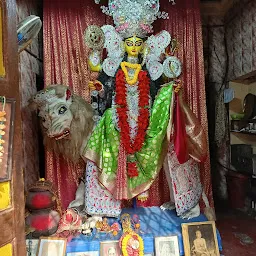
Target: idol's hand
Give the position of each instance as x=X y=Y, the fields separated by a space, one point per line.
x=177 y=86
x=96 y=86
x=91 y=86
x=93 y=68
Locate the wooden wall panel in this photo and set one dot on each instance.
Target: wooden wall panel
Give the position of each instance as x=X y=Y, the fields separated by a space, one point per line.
x=2 y=69
x=12 y=220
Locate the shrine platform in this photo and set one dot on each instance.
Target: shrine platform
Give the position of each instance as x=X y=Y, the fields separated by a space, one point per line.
x=154 y=222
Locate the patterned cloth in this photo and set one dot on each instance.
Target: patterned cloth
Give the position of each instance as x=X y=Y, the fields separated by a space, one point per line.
x=98 y=201
x=185 y=182
x=104 y=143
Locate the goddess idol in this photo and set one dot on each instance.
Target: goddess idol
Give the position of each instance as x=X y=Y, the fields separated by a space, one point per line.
x=141 y=122
x=136 y=135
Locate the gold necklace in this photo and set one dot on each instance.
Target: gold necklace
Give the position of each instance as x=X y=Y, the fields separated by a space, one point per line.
x=137 y=67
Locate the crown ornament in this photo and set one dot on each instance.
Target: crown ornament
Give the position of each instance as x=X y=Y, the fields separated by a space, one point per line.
x=134 y=17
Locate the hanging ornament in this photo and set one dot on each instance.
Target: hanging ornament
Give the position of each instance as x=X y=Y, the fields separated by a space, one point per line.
x=94 y=37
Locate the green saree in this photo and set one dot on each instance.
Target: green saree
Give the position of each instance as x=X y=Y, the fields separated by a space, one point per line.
x=106 y=151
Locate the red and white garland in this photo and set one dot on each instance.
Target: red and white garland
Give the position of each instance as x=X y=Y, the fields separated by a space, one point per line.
x=132 y=147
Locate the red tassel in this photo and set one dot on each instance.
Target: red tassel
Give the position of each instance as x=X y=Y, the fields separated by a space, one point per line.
x=180 y=136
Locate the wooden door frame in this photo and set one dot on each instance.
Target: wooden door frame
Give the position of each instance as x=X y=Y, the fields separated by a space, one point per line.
x=12 y=220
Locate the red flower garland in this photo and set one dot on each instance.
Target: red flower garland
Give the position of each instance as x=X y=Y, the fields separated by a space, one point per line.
x=143 y=118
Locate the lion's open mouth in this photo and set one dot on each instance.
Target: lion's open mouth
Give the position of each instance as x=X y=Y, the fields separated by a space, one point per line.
x=62 y=135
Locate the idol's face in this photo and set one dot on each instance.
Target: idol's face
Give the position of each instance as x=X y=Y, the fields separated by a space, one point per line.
x=126 y=223
x=133 y=46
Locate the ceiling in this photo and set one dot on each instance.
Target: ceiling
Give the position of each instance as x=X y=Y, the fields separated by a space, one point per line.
x=215 y=7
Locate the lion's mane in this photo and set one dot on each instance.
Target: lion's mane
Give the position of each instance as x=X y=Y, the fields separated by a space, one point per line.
x=80 y=129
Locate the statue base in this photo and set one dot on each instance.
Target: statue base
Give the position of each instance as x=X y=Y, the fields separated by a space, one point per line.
x=154 y=223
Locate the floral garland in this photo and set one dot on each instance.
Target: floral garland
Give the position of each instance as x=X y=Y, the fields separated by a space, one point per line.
x=135 y=66
x=143 y=117
x=2 y=132
x=125 y=245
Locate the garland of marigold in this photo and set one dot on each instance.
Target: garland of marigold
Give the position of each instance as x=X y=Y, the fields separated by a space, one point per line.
x=137 y=68
x=143 y=117
x=125 y=241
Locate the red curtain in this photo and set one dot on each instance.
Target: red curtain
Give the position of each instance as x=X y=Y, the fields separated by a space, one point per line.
x=65 y=62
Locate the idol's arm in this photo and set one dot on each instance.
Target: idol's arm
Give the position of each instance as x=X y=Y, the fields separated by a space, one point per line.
x=94 y=61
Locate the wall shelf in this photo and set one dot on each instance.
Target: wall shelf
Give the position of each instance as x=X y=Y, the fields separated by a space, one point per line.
x=244 y=132
x=240 y=125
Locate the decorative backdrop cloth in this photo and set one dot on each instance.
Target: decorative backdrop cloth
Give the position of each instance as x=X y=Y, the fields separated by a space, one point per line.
x=65 y=62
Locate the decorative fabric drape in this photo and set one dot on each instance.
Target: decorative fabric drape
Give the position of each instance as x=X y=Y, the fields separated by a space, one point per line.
x=65 y=62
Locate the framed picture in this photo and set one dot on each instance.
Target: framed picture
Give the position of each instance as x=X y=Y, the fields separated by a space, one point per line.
x=92 y=253
x=32 y=246
x=167 y=246
x=200 y=239
x=7 y=110
x=52 y=246
x=110 y=248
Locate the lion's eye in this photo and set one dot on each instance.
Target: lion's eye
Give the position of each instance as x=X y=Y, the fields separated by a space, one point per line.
x=62 y=110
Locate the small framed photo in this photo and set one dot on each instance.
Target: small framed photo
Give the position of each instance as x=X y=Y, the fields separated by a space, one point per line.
x=7 y=111
x=92 y=253
x=200 y=238
x=110 y=248
x=32 y=246
x=167 y=246
x=52 y=246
